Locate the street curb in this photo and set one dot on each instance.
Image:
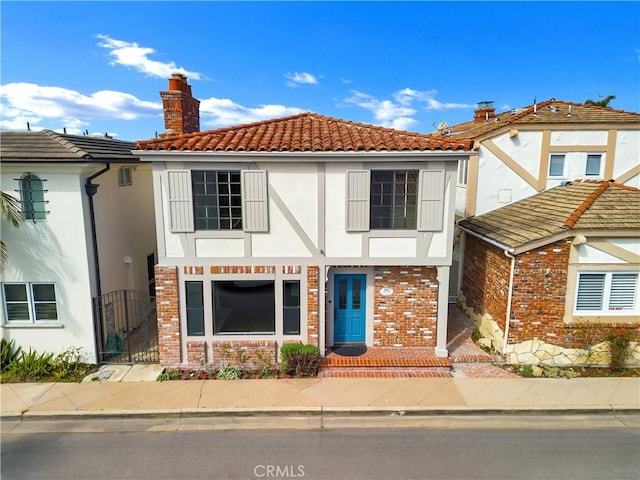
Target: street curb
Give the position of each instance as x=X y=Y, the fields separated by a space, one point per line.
x=315 y=412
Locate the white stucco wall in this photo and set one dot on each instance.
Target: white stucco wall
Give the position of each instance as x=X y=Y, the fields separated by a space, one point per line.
x=498 y=185
x=493 y=178
x=296 y=217
x=627 y=155
x=125 y=226
x=54 y=250
x=339 y=242
x=589 y=254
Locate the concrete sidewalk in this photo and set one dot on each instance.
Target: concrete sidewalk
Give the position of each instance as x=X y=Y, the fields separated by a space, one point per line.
x=315 y=396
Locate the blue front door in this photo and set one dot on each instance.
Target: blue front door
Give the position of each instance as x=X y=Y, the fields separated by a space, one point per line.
x=349 y=308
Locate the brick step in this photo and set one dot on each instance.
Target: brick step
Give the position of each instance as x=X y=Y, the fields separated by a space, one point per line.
x=363 y=362
x=476 y=358
x=385 y=372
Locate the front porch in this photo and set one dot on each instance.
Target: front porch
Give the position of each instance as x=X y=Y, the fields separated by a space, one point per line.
x=465 y=358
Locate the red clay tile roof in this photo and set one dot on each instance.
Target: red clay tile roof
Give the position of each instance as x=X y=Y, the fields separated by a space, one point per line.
x=549 y=112
x=581 y=205
x=306 y=132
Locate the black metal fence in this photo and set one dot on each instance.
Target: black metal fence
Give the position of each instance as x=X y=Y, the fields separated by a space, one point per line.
x=126 y=327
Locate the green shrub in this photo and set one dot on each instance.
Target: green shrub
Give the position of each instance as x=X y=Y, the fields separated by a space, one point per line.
x=299 y=359
x=8 y=353
x=618 y=344
x=32 y=365
x=229 y=373
x=67 y=366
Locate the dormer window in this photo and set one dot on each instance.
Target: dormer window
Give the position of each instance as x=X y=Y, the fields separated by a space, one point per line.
x=32 y=197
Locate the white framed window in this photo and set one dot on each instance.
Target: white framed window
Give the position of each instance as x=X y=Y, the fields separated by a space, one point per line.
x=463 y=172
x=594 y=161
x=556 y=165
x=124 y=176
x=610 y=293
x=30 y=302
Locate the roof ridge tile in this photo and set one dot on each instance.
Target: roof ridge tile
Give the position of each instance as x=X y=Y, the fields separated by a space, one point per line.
x=586 y=204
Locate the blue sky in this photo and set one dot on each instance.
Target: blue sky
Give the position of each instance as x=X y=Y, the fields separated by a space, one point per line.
x=99 y=66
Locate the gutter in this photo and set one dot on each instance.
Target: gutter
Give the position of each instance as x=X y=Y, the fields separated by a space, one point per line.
x=92 y=189
x=509 y=299
x=501 y=246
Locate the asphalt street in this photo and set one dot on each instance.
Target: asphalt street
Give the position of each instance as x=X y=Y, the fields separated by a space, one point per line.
x=465 y=447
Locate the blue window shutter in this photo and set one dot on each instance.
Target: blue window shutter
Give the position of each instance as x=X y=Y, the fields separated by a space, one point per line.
x=358 y=199
x=431 y=201
x=180 y=201
x=255 y=214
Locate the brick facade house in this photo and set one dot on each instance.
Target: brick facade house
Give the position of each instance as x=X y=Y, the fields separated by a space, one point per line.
x=546 y=278
x=299 y=229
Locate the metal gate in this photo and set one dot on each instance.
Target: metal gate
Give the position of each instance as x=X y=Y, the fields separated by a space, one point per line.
x=126 y=327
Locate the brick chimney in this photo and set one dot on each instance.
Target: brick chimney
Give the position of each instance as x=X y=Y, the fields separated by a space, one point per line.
x=484 y=112
x=181 y=110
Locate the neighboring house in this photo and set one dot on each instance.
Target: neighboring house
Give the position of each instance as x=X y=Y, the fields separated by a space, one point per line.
x=546 y=278
x=525 y=151
x=52 y=272
x=299 y=229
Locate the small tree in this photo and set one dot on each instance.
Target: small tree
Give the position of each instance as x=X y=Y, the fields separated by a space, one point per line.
x=12 y=212
x=603 y=102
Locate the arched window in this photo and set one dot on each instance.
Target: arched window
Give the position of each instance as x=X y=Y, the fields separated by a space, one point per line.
x=32 y=194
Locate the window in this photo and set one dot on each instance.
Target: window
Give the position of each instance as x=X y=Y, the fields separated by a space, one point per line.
x=124 y=176
x=30 y=302
x=291 y=307
x=394 y=199
x=556 y=165
x=195 y=308
x=607 y=293
x=33 y=201
x=463 y=172
x=389 y=199
x=593 y=165
x=243 y=306
x=217 y=200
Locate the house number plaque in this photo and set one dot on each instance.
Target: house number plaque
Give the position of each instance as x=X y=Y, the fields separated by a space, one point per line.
x=386 y=291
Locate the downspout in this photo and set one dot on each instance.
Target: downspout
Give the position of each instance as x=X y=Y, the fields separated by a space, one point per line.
x=509 y=298
x=92 y=189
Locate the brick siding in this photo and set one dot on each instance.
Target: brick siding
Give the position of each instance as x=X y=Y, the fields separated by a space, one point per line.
x=168 y=315
x=408 y=317
x=539 y=294
x=312 y=305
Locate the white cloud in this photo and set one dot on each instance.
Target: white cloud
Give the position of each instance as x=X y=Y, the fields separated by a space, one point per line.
x=132 y=55
x=300 y=78
x=400 y=112
x=27 y=102
x=221 y=112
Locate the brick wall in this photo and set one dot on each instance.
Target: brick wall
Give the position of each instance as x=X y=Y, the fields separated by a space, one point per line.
x=408 y=317
x=312 y=305
x=539 y=291
x=168 y=315
x=485 y=279
x=539 y=294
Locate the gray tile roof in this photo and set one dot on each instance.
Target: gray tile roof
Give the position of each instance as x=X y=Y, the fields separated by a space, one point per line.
x=50 y=146
x=599 y=206
x=556 y=112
